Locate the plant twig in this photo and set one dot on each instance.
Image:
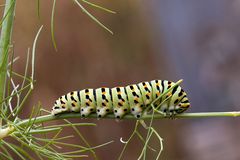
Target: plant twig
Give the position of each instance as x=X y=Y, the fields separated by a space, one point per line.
x=47 y=118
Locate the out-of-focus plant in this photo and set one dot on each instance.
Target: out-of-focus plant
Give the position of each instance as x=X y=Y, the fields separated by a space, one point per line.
x=85 y=11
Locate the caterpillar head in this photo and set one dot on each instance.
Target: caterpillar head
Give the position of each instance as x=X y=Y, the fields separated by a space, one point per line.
x=59 y=107
x=182 y=107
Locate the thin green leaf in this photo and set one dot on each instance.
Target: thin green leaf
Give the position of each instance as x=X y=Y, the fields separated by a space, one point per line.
x=129 y=139
x=99 y=7
x=70 y=125
x=82 y=138
x=40 y=131
x=34 y=52
x=40 y=150
x=142 y=139
x=26 y=71
x=10 y=75
x=16 y=93
x=4 y=156
x=160 y=141
x=7 y=98
x=4 y=62
x=56 y=139
x=30 y=125
x=21 y=76
x=53 y=139
x=75 y=156
x=6 y=13
x=80 y=151
x=6 y=151
x=38 y=9
x=5 y=38
x=9 y=145
x=20 y=150
x=52 y=26
x=92 y=17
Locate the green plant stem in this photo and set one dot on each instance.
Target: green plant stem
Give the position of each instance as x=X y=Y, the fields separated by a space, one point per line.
x=48 y=118
x=5 y=39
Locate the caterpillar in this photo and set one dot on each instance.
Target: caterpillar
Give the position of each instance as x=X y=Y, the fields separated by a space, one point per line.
x=134 y=99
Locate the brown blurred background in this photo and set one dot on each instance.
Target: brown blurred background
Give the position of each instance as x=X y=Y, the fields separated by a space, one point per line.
x=197 y=41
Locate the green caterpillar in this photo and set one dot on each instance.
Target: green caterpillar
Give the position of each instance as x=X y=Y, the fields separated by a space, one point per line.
x=133 y=98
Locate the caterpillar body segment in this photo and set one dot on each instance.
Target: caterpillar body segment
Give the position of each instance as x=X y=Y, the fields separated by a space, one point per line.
x=146 y=91
x=88 y=102
x=166 y=101
x=104 y=101
x=136 y=103
x=120 y=101
x=156 y=91
x=156 y=88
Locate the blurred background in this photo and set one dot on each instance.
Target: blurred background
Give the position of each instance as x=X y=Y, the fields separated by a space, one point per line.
x=197 y=41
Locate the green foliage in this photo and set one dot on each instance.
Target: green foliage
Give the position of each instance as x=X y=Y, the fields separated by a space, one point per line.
x=30 y=136
x=6 y=24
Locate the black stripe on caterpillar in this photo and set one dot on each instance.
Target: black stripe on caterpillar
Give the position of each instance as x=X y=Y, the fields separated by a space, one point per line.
x=133 y=99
